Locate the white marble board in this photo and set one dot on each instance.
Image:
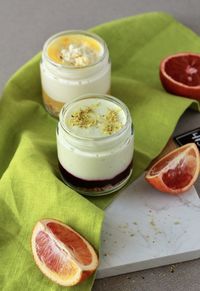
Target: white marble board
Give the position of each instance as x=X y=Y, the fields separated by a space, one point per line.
x=144 y=228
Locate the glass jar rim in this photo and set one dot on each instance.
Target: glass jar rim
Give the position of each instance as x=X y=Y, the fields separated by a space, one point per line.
x=113 y=99
x=67 y=32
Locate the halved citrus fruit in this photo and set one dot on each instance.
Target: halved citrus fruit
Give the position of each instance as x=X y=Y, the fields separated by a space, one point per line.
x=177 y=171
x=180 y=74
x=61 y=253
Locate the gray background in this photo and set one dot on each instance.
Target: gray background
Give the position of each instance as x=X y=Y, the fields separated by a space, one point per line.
x=26 y=24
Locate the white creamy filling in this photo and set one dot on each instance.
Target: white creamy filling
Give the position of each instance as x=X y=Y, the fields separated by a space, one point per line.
x=64 y=90
x=94 y=165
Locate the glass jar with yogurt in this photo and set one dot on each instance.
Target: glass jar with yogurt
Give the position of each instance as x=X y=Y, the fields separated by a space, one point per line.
x=95 y=143
x=73 y=63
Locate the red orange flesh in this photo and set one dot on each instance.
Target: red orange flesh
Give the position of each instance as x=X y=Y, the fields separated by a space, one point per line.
x=180 y=74
x=177 y=171
x=61 y=253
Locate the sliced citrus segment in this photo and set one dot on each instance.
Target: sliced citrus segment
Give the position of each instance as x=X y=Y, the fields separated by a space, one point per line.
x=61 y=253
x=177 y=171
x=180 y=74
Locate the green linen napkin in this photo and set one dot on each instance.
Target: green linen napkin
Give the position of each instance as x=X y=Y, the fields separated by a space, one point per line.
x=30 y=186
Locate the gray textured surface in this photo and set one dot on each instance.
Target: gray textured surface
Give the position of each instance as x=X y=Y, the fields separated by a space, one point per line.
x=26 y=24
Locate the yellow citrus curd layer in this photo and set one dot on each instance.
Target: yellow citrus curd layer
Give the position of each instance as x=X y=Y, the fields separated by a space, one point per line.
x=75 y=50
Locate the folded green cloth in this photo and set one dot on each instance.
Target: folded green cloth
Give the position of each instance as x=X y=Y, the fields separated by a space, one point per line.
x=30 y=186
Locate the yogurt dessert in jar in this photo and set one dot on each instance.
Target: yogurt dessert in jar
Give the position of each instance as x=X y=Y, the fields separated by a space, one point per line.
x=73 y=63
x=95 y=144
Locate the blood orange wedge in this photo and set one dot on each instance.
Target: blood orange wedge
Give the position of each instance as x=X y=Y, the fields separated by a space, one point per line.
x=177 y=171
x=180 y=74
x=62 y=254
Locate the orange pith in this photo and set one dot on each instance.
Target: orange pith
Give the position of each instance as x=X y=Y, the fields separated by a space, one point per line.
x=177 y=171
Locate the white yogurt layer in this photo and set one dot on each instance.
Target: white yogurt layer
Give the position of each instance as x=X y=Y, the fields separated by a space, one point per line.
x=65 y=88
x=98 y=148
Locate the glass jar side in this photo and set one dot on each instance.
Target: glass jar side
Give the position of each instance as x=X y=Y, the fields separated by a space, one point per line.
x=95 y=166
x=97 y=172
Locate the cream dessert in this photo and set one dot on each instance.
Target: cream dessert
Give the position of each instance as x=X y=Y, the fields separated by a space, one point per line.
x=95 y=144
x=73 y=63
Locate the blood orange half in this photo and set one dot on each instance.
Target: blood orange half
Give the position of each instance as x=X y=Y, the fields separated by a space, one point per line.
x=177 y=171
x=61 y=253
x=180 y=74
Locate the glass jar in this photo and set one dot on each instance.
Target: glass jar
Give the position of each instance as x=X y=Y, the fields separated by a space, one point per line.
x=95 y=144
x=64 y=79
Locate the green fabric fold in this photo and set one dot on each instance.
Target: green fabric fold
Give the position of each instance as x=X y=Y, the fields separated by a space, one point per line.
x=30 y=185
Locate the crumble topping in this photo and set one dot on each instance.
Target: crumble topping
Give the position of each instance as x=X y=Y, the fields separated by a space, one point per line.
x=108 y=123
x=84 y=118
x=112 y=123
x=78 y=55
